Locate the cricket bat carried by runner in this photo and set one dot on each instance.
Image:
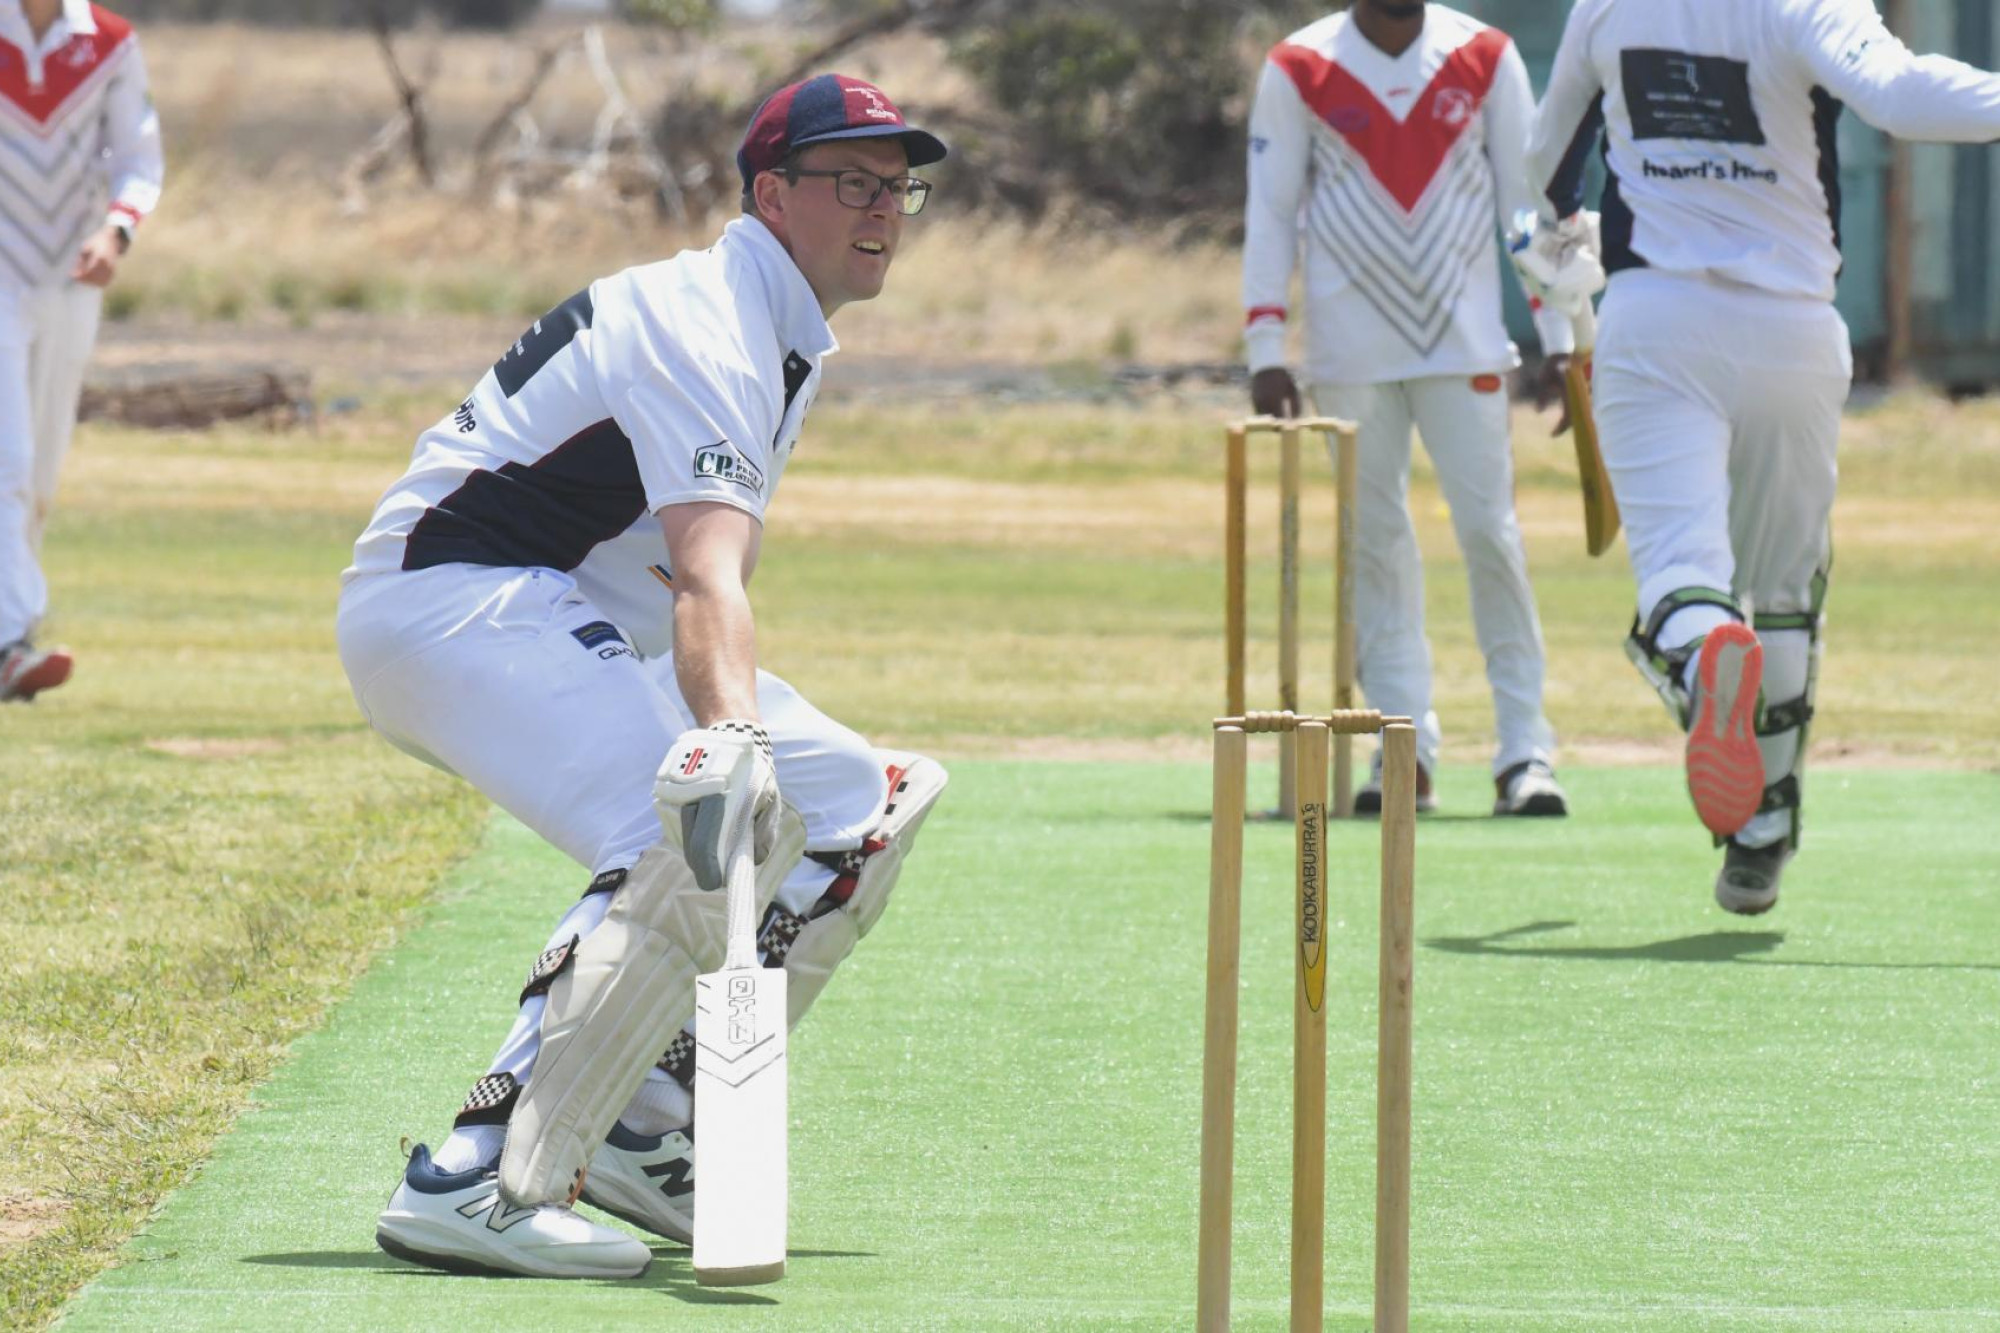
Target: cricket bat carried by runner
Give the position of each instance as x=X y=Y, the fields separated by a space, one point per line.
x=1600 y=506
x=740 y=1171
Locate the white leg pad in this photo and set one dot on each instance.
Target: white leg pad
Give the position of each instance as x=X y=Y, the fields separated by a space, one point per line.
x=628 y=989
x=825 y=940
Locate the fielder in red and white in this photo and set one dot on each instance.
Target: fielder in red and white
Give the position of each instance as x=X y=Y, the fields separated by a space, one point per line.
x=1390 y=137
x=553 y=603
x=1723 y=366
x=80 y=168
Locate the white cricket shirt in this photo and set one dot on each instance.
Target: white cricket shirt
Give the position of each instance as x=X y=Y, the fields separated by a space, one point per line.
x=672 y=383
x=79 y=143
x=1397 y=170
x=1718 y=119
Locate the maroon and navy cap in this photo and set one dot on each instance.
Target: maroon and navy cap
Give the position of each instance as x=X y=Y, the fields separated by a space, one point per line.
x=823 y=108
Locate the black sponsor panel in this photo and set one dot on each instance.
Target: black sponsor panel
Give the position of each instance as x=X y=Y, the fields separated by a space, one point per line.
x=551 y=333
x=550 y=514
x=1679 y=95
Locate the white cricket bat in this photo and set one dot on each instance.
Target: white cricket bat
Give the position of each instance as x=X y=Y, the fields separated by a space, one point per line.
x=740 y=1172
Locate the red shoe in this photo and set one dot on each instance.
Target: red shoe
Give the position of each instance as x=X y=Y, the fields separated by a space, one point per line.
x=26 y=670
x=1725 y=769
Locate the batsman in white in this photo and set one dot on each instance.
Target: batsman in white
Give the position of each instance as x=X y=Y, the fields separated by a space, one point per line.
x=552 y=603
x=80 y=168
x=1722 y=365
x=1392 y=136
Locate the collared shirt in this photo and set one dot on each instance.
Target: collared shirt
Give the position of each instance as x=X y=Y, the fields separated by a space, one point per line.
x=1719 y=121
x=79 y=141
x=1399 y=170
x=672 y=383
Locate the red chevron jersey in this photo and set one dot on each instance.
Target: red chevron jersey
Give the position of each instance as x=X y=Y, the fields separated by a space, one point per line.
x=1396 y=171
x=79 y=142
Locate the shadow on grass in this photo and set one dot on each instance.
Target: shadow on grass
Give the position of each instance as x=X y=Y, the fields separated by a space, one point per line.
x=672 y=1271
x=1718 y=946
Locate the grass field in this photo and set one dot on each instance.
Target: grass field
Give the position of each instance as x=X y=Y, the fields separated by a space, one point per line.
x=1650 y=1115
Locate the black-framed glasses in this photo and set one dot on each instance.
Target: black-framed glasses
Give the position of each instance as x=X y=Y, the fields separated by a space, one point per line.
x=860 y=189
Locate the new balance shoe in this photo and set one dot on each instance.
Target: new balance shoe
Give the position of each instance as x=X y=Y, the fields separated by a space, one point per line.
x=1748 y=884
x=1368 y=800
x=1725 y=769
x=458 y=1222
x=1530 y=789
x=646 y=1180
x=26 y=670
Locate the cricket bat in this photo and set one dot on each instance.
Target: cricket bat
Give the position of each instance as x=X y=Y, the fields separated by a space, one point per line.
x=1600 y=506
x=740 y=1172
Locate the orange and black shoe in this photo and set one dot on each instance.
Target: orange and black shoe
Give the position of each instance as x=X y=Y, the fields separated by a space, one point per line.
x=1725 y=769
x=26 y=670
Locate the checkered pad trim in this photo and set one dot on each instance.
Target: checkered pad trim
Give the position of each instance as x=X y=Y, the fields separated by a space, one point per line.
x=490 y=1102
x=846 y=868
x=781 y=928
x=679 y=1060
x=547 y=968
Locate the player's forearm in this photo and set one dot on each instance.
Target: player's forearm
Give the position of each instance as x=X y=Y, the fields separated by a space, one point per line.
x=1565 y=127
x=715 y=651
x=1276 y=182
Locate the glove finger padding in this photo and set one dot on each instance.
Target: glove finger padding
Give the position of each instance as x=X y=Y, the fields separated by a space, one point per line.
x=715 y=781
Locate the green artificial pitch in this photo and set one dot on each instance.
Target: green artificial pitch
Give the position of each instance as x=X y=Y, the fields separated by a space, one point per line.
x=1633 y=1112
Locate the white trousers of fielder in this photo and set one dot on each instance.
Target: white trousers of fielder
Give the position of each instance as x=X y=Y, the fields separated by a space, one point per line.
x=1465 y=432
x=1718 y=410
x=482 y=672
x=46 y=335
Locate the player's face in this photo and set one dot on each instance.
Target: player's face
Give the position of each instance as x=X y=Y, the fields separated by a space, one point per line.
x=1396 y=9
x=844 y=252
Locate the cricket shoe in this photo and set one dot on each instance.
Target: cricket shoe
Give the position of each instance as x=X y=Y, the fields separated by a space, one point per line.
x=1529 y=788
x=1748 y=884
x=646 y=1180
x=1368 y=800
x=1725 y=769
x=457 y=1221
x=26 y=670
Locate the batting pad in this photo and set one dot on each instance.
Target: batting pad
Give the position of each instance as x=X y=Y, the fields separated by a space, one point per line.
x=628 y=990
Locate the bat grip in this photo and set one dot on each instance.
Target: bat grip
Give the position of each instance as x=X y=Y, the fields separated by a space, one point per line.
x=740 y=883
x=1584 y=322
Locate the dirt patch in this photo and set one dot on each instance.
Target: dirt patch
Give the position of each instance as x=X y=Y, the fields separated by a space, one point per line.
x=24 y=1217
x=197 y=747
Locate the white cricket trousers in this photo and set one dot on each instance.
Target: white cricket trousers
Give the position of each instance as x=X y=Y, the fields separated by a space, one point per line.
x=513 y=680
x=1465 y=431
x=1718 y=410
x=46 y=334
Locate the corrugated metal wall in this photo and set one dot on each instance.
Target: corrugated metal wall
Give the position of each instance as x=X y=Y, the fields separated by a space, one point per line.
x=1955 y=203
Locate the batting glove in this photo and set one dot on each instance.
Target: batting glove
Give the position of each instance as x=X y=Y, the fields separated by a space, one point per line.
x=718 y=784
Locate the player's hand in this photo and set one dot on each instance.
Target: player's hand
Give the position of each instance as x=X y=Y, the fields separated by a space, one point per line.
x=97 y=262
x=716 y=781
x=1550 y=389
x=1274 y=393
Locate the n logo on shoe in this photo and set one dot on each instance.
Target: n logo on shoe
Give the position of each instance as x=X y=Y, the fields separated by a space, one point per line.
x=500 y=1215
x=676 y=1177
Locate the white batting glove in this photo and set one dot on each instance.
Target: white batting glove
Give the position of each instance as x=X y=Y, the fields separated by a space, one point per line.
x=717 y=784
x=1559 y=264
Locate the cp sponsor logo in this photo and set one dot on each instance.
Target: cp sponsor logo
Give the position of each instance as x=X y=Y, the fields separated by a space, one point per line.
x=726 y=465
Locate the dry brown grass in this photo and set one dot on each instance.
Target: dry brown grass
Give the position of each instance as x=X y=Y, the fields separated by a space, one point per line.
x=260 y=125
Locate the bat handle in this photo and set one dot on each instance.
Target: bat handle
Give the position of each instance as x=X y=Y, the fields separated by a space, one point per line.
x=1585 y=324
x=740 y=883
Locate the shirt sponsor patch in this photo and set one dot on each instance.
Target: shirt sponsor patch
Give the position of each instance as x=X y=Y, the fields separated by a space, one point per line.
x=604 y=637
x=1679 y=95
x=725 y=464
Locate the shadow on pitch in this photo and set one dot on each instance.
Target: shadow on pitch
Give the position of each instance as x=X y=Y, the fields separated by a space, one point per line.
x=1719 y=946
